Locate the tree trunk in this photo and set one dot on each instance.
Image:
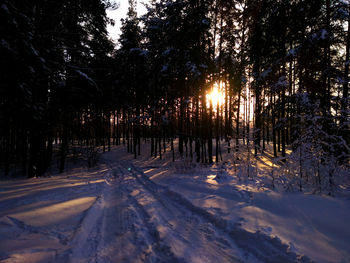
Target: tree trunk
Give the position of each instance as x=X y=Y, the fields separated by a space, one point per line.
x=345 y=99
x=210 y=135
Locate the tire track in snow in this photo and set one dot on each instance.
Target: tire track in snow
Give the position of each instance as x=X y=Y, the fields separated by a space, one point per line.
x=181 y=226
x=259 y=246
x=136 y=220
x=85 y=243
x=138 y=241
x=36 y=230
x=116 y=229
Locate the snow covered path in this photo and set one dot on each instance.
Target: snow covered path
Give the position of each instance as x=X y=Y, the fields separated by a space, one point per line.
x=117 y=229
x=164 y=227
x=144 y=211
x=137 y=220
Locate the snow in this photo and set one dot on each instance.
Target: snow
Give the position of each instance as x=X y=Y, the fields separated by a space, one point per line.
x=6 y=45
x=85 y=76
x=292 y=52
x=342 y=13
x=154 y=27
x=324 y=34
x=164 y=68
x=282 y=82
x=39 y=216
x=167 y=51
x=142 y=52
x=340 y=80
x=320 y=35
x=152 y=210
x=265 y=73
x=193 y=68
x=345 y=2
x=4 y=7
x=205 y=22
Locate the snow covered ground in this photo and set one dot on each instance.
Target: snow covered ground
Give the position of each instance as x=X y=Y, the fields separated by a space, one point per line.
x=152 y=210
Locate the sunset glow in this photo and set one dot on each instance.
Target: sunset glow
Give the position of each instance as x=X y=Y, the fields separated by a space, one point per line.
x=216 y=96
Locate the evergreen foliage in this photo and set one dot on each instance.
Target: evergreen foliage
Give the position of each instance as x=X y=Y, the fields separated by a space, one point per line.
x=64 y=83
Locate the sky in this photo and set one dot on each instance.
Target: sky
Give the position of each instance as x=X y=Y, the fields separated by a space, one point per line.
x=120 y=13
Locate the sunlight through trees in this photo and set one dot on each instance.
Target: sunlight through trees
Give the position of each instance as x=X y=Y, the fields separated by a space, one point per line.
x=211 y=75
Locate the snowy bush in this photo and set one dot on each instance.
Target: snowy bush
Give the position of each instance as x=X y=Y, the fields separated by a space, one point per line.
x=315 y=164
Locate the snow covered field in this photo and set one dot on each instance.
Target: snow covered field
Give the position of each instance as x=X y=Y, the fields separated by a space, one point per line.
x=151 y=210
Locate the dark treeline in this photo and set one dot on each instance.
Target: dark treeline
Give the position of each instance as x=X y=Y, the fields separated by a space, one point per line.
x=281 y=69
x=55 y=74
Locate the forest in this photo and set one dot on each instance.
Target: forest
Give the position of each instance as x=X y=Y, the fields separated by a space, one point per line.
x=202 y=77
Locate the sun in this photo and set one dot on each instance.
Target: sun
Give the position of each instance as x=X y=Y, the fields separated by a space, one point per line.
x=216 y=96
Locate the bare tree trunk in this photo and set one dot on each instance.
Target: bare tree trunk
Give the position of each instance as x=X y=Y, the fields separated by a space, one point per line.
x=257 y=126
x=197 y=142
x=345 y=99
x=180 y=127
x=237 y=120
x=64 y=147
x=273 y=124
x=210 y=135
x=283 y=129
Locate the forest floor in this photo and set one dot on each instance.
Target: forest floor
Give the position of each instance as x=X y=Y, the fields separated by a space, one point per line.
x=152 y=210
